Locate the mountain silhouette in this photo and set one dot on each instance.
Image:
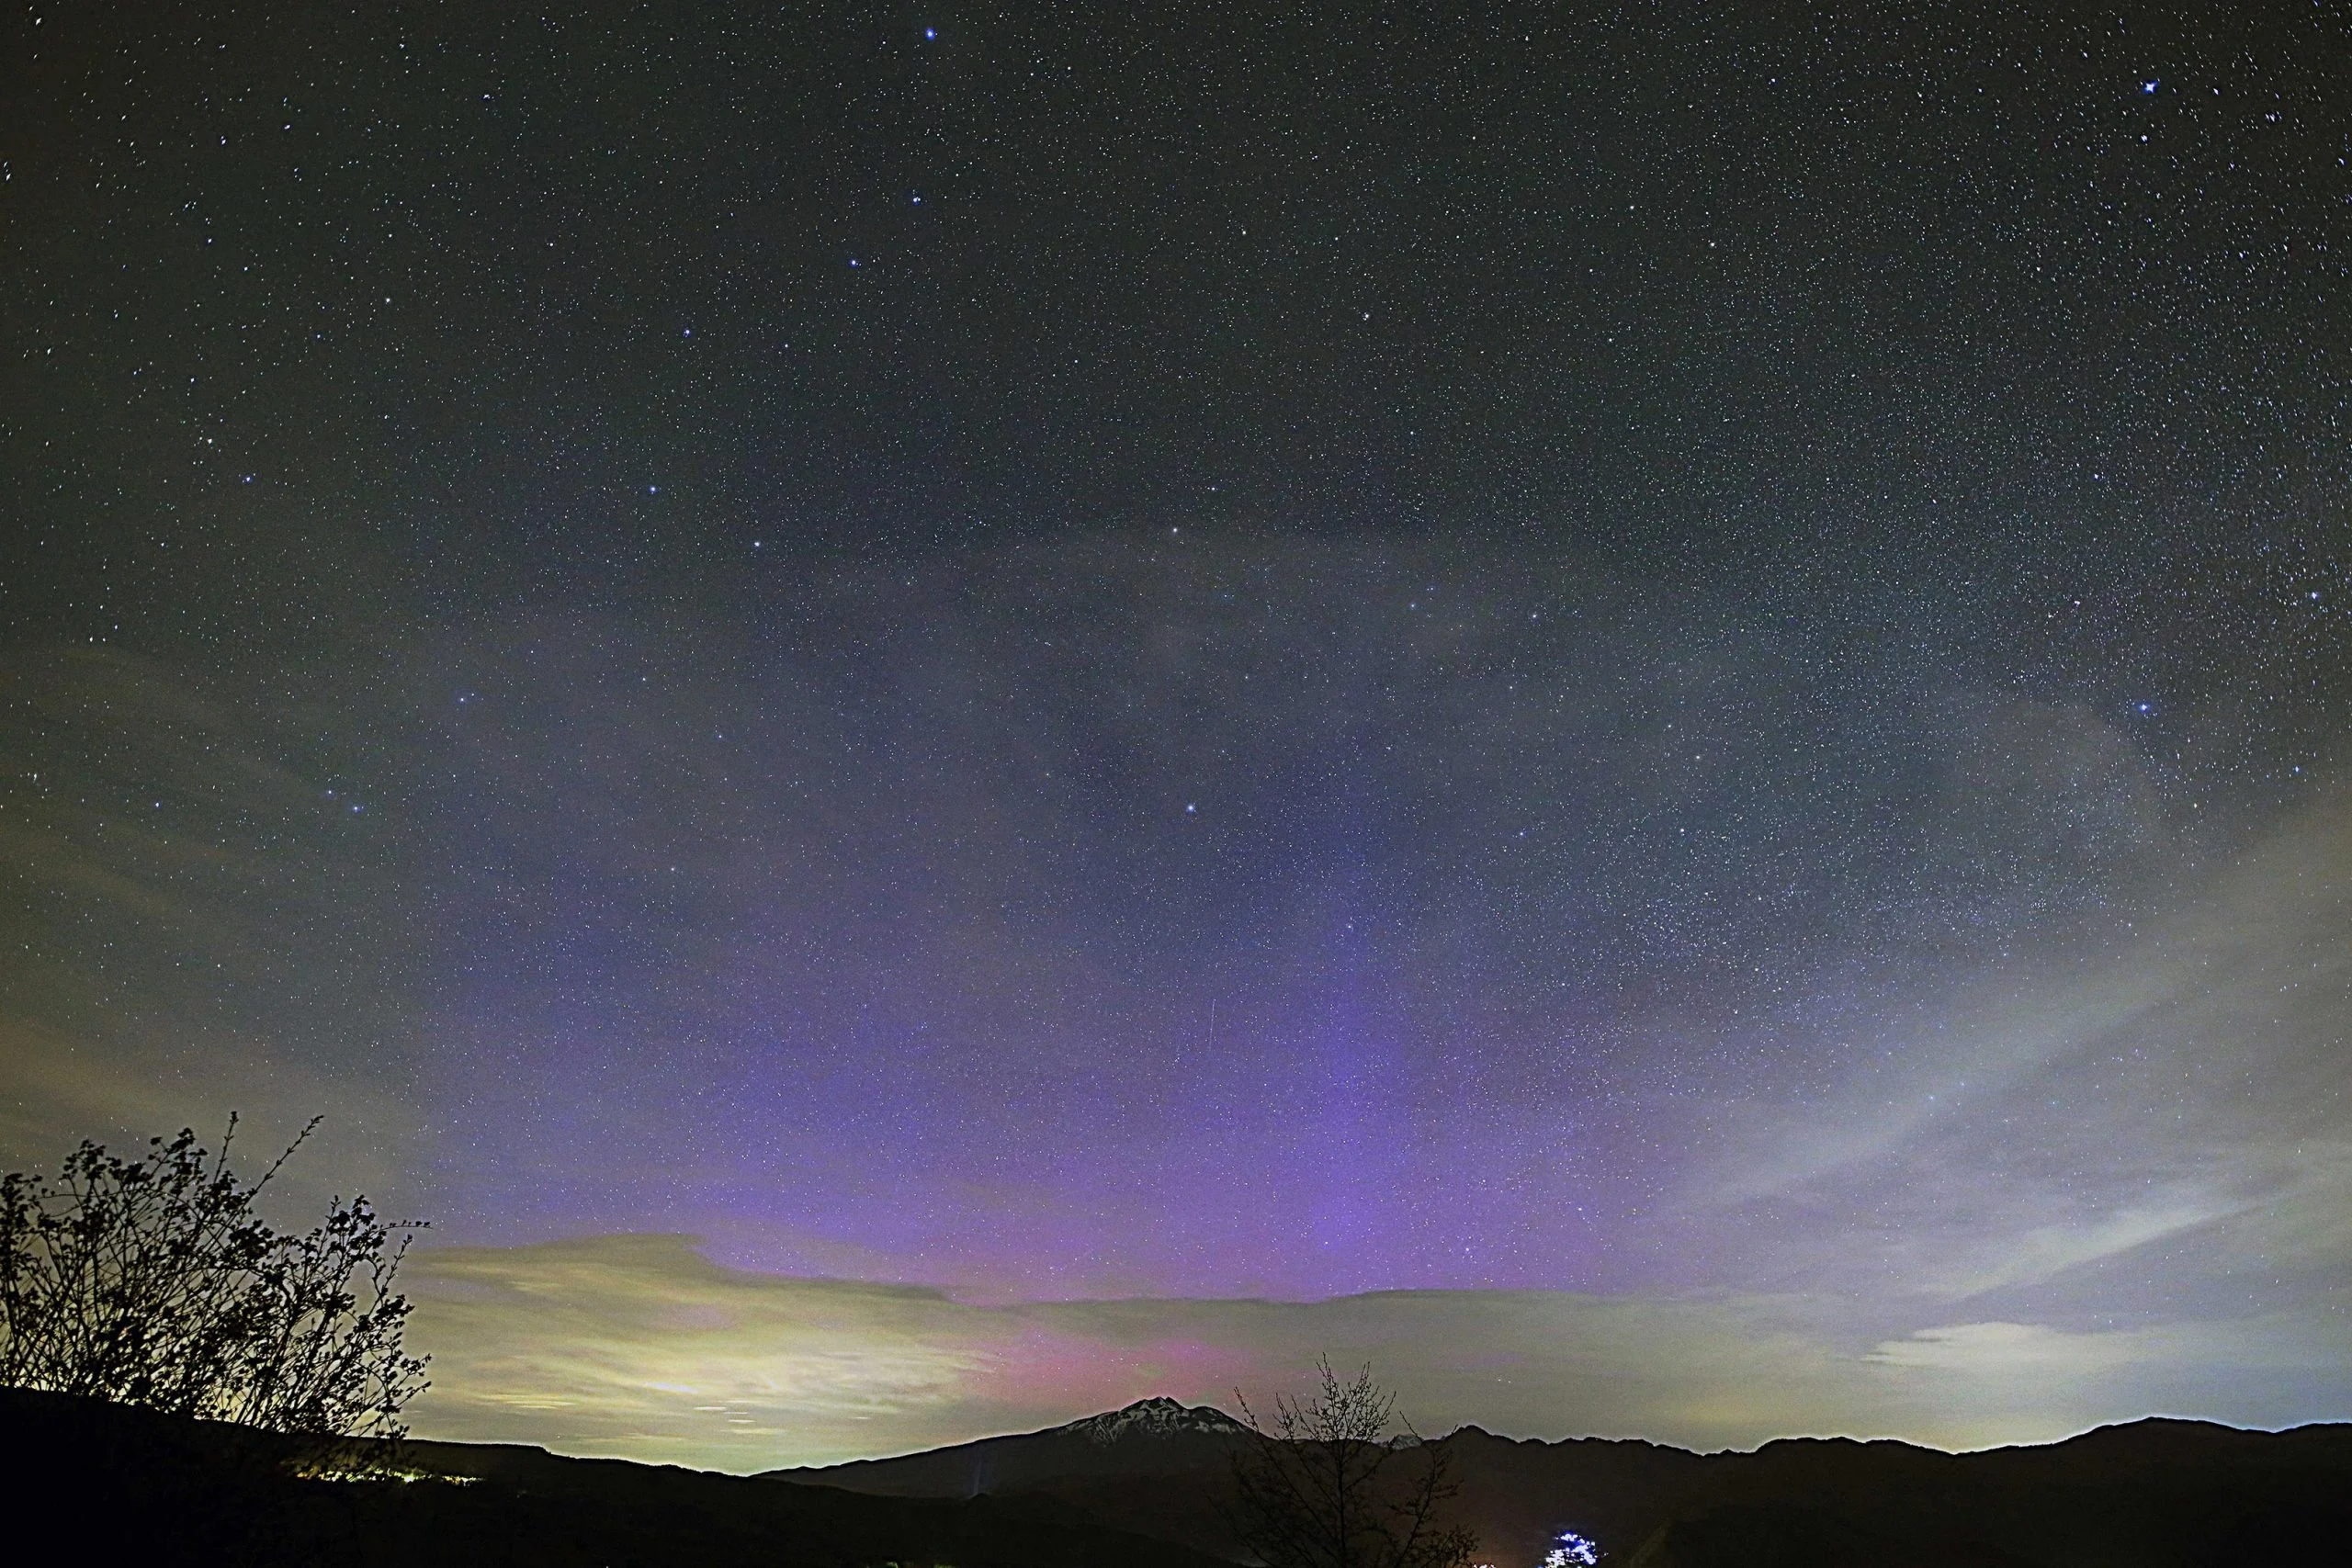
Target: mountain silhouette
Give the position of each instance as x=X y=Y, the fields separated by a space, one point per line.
x=1152 y=1437
x=2153 y=1493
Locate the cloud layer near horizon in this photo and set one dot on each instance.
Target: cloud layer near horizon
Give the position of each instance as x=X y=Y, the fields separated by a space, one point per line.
x=639 y=1346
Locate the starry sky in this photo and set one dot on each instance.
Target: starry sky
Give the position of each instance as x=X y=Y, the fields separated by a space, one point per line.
x=935 y=718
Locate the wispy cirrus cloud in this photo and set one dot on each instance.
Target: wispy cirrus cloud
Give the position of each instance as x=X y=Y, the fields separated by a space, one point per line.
x=2176 y=1096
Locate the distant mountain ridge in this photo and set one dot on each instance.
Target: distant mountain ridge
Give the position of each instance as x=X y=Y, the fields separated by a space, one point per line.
x=2154 y=1494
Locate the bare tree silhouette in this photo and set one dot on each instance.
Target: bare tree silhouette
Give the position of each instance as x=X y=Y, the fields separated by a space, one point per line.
x=1324 y=1485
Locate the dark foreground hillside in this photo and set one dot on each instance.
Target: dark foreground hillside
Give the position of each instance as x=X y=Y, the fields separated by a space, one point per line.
x=85 y=1481
x=1137 y=1489
x=2150 y=1495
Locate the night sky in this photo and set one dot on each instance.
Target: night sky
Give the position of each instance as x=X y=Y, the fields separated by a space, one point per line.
x=935 y=718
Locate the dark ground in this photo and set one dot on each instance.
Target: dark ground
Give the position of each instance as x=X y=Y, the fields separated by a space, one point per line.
x=123 y=1485
x=110 y=1485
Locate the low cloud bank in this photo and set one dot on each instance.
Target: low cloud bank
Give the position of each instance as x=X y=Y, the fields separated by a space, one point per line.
x=639 y=1346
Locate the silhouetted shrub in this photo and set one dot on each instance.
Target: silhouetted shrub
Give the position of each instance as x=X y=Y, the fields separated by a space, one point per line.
x=150 y=1281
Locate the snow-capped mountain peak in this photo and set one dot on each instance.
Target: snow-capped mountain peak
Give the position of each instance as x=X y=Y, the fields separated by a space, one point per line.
x=1157 y=1417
